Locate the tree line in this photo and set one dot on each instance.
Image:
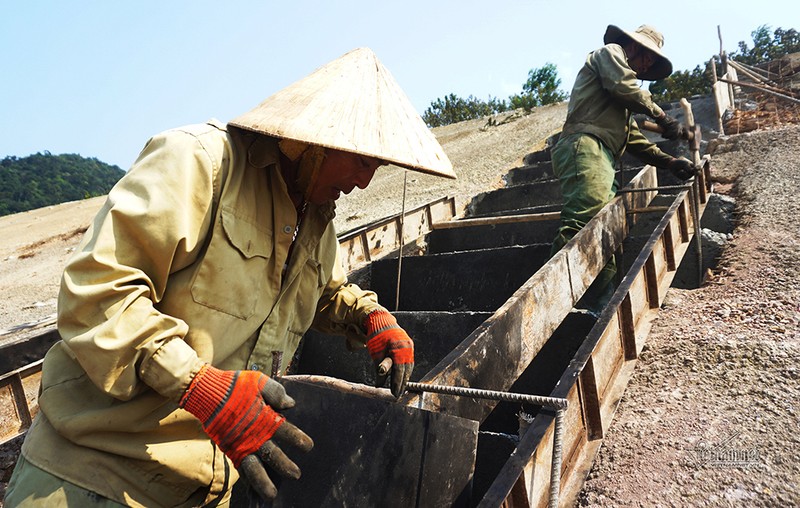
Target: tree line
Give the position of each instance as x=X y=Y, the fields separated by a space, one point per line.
x=542 y=85
x=44 y=179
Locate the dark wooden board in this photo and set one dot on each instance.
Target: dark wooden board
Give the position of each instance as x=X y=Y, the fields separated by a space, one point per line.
x=372 y=451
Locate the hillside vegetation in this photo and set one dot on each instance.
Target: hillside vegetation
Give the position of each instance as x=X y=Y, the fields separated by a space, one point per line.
x=43 y=179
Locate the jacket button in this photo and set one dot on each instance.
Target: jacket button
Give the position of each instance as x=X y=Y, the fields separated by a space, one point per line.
x=254 y=367
x=287 y=229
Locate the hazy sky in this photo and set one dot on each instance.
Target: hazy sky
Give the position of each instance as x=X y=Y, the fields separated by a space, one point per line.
x=98 y=78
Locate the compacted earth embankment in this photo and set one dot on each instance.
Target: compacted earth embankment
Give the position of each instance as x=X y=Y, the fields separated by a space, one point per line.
x=711 y=416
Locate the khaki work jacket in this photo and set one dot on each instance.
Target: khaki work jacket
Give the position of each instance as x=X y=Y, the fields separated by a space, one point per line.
x=605 y=94
x=183 y=265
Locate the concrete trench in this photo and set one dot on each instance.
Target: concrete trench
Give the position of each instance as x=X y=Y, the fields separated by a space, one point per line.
x=465 y=275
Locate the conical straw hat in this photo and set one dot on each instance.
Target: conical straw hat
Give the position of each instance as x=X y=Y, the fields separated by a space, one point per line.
x=352 y=104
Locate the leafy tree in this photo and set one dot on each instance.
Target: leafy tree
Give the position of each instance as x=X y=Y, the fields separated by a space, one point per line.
x=540 y=89
x=454 y=109
x=768 y=47
x=43 y=179
x=682 y=84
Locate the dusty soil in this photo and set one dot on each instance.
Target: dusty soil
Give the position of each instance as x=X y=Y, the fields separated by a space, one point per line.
x=710 y=417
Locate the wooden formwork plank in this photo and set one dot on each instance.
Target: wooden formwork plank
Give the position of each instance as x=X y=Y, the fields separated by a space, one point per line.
x=578 y=466
x=377 y=239
x=683 y=219
x=542 y=460
x=14 y=414
x=441 y=210
x=647 y=179
x=390 y=455
x=415 y=225
x=383 y=239
x=590 y=401
x=19 y=391
x=627 y=325
x=662 y=267
x=675 y=234
x=354 y=251
x=651 y=281
x=575 y=432
x=638 y=295
x=607 y=357
x=669 y=246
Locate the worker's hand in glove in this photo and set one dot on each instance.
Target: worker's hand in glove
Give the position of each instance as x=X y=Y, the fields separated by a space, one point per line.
x=385 y=339
x=236 y=410
x=672 y=129
x=682 y=168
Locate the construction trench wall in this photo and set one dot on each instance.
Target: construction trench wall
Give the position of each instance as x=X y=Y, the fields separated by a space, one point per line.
x=489 y=309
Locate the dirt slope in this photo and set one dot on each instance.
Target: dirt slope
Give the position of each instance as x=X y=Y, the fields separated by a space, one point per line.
x=710 y=417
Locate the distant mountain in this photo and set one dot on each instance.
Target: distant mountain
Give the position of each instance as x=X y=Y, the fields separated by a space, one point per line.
x=44 y=179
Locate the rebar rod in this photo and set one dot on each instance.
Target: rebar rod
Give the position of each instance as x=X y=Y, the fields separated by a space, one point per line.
x=555 y=468
x=477 y=393
x=560 y=405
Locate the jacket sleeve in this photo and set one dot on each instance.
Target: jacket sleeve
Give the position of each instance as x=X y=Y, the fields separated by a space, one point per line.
x=617 y=77
x=343 y=307
x=644 y=149
x=154 y=223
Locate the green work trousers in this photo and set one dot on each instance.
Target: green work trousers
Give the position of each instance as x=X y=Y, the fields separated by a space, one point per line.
x=31 y=487
x=585 y=169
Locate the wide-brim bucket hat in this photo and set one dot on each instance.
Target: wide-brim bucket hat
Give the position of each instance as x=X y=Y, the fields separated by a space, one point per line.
x=651 y=39
x=352 y=104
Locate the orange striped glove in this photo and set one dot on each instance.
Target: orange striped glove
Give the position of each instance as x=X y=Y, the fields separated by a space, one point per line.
x=386 y=339
x=235 y=409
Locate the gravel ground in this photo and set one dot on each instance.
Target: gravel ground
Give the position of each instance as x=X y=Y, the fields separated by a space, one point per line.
x=710 y=417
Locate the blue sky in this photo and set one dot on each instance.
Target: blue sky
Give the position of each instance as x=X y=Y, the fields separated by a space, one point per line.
x=98 y=78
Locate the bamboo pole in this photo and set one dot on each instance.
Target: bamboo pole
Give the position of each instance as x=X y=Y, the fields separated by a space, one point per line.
x=717 y=106
x=756 y=77
x=762 y=88
x=763 y=72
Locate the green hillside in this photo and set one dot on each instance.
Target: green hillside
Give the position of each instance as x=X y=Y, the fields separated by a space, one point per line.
x=44 y=179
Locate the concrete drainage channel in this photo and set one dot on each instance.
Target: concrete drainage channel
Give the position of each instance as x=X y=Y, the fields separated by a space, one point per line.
x=489 y=309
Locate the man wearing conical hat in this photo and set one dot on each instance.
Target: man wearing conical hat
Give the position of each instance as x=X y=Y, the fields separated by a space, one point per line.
x=210 y=259
x=600 y=127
